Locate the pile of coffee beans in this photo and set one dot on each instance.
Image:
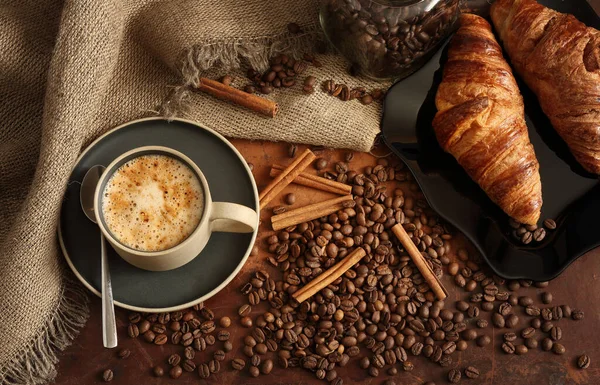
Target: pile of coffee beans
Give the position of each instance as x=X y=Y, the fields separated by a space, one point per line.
x=381 y=312
x=527 y=234
x=387 y=41
x=345 y=93
x=282 y=72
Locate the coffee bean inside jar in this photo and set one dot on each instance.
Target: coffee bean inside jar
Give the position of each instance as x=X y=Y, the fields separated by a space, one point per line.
x=388 y=38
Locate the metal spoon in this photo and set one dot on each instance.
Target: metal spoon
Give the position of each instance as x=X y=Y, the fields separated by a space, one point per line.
x=86 y=196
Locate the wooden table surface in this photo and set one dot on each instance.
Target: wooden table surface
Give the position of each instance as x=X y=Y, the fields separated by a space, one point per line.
x=85 y=360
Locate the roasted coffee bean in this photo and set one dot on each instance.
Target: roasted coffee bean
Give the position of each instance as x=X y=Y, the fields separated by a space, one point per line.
x=462 y=306
x=498 y=320
x=174 y=359
x=539 y=234
x=483 y=340
x=124 y=353
x=471 y=372
x=469 y=335
x=547 y=326
x=531 y=343
x=520 y=350
x=246 y=322
x=266 y=367
x=189 y=366
x=238 y=364
x=512 y=321
x=536 y=323
x=214 y=366
x=583 y=361
x=546 y=314
x=556 y=333
x=175 y=372
x=546 y=297
x=134 y=318
x=533 y=311
x=203 y=371
x=547 y=344
x=161 y=339
x=254 y=371
x=481 y=323
x=508 y=347
x=158 y=371
x=276 y=210
x=408 y=366
x=577 y=314
x=505 y=309
x=528 y=332
x=557 y=313
x=210 y=339
x=176 y=338
x=219 y=355
x=510 y=336
x=473 y=311
x=250 y=89
x=223 y=335
x=487 y=306
x=373 y=371
x=320 y=164
x=133 y=331
x=550 y=224
x=107 y=375
x=558 y=349
x=525 y=301
x=454 y=376
x=149 y=336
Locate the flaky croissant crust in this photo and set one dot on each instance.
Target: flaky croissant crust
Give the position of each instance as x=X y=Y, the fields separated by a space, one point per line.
x=480 y=121
x=559 y=59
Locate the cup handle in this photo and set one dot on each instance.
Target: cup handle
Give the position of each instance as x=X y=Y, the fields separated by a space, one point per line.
x=233 y=218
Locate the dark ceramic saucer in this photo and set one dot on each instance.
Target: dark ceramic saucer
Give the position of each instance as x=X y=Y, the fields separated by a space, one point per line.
x=221 y=259
x=571 y=195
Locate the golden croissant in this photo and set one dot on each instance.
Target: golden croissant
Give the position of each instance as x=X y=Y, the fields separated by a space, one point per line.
x=480 y=121
x=559 y=59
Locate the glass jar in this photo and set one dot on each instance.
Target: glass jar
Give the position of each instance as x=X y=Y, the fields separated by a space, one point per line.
x=388 y=39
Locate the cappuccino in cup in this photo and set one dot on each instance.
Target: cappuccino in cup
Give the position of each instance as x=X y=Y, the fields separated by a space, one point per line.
x=153 y=202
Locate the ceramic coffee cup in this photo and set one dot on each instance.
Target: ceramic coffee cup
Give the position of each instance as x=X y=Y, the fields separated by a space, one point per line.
x=216 y=216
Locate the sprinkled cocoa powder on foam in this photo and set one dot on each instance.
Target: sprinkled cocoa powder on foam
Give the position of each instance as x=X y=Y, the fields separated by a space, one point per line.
x=153 y=203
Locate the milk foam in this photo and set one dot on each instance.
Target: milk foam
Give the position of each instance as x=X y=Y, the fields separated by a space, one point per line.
x=152 y=203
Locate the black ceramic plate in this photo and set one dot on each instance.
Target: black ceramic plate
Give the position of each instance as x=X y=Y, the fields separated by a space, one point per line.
x=221 y=259
x=571 y=195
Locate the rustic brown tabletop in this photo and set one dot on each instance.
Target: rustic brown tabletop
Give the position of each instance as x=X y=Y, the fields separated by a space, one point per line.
x=86 y=359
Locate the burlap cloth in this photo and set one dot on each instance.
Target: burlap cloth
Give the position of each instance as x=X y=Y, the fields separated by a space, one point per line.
x=70 y=71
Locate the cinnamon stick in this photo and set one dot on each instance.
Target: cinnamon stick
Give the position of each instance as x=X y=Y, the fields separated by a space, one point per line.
x=314 y=181
x=328 y=276
x=286 y=177
x=239 y=97
x=308 y=213
x=416 y=256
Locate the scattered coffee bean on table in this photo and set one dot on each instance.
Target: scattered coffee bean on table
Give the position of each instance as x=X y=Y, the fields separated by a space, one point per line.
x=454 y=376
x=483 y=340
x=290 y=199
x=124 y=353
x=559 y=349
x=158 y=371
x=471 y=372
x=583 y=361
x=107 y=375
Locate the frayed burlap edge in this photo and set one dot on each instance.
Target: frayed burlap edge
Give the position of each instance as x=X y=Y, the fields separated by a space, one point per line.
x=232 y=54
x=36 y=363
